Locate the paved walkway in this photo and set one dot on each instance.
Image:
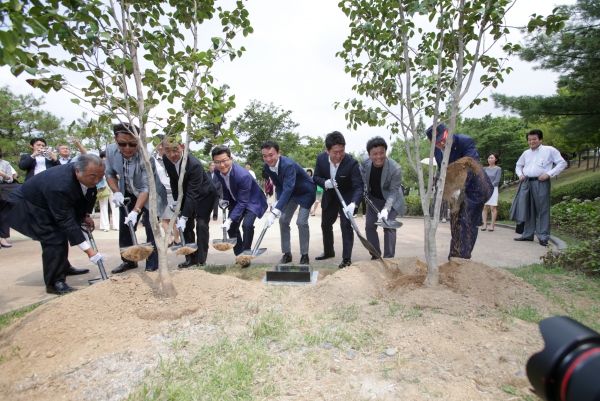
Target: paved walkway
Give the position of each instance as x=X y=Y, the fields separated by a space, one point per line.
x=21 y=266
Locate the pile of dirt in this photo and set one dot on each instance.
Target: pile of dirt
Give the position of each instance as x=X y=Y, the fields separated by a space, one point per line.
x=123 y=313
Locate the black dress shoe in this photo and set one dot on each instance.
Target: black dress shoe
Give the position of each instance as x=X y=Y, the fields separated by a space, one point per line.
x=524 y=239
x=71 y=271
x=345 y=262
x=286 y=258
x=123 y=267
x=59 y=288
x=187 y=263
x=151 y=269
x=543 y=242
x=245 y=264
x=373 y=257
x=324 y=256
x=304 y=260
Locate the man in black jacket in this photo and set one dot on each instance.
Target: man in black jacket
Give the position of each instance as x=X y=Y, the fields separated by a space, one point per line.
x=39 y=160
x=335 y=164
x=219 y=189
x=50 y=208
x=199 y=195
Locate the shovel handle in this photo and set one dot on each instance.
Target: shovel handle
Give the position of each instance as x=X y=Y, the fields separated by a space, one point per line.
x=262 y=234
x=88 y=231
x=129 y=223
x=337 y=191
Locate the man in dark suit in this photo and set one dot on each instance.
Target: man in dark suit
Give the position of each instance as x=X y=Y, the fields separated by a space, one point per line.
x=50 y=208
x=123 y=159
x=294 y=187
x=478 y=189
x=335 y=164
x=246 y=200
x=199 y=196
x=39 y=160
x=219 y=189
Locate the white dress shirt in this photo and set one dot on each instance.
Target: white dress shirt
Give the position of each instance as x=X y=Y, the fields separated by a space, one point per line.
x=333 y=169
x=275 y=168
x=40 y=164
x=534 y=163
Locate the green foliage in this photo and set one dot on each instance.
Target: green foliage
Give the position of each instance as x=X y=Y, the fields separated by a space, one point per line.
x=413 y=205
x=503 y=210
x=588 y=189
x=578 y=218
x=410 y=178
x=7 y=318
x=583 y=257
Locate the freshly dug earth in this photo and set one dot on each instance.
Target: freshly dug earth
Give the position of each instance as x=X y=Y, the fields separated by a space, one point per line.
x=222 y=246
x=185 y=250
x=137 y=253
x=240 y=260
x=454 y=341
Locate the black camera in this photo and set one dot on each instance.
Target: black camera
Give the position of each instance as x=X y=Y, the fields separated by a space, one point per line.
x=568 y=368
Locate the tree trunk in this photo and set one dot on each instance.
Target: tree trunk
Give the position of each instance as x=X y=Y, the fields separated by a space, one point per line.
x=587 y=159
x=433 y=270
x=167 y=288
x=595 y=154
x=579 y=164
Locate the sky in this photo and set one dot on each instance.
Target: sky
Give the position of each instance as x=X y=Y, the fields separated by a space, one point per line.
x=290 y=62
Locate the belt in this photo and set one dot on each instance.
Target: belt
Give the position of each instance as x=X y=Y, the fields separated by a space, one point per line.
x=533 y=178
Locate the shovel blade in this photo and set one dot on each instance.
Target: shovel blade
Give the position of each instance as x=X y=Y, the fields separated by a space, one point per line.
x=96 y=280
x=389 y=224
x=258 y=252
x=231 y=241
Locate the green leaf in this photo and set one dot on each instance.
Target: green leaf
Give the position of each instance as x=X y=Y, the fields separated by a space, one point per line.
x=16 y=5
x=76 y=101
x=508 y=390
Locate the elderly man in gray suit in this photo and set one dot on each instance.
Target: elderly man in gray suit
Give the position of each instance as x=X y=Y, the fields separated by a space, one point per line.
x=383 y=185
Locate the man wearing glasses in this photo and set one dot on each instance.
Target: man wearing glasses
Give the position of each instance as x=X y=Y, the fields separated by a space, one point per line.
x=246 y=200
x=127 y=177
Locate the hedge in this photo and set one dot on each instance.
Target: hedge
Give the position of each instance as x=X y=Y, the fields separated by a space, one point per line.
x=581 y=190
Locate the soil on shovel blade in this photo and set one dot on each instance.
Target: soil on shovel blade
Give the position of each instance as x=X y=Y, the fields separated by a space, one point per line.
x=454 y=340
x=137 y=253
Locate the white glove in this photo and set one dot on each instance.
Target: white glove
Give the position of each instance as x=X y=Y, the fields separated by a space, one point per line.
x=118 y=199
x=350 y=209
x=383 y=214
x=329 y=184
x=181 y=222
x=131 y=217
x=271 y=219
x=456 y=194
x=226 y=225
x=97 y=258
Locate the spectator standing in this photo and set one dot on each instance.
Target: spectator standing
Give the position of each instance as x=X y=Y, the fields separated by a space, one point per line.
x=249 y=168
x=7 y=176
x=64 y=151
x=536 y=166
x=494 y=173
x=39 y=160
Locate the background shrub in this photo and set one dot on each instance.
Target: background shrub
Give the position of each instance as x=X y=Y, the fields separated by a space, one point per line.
x=578 y=218
x=503 y=209
x=583 y=257
x=589 y=189
x=413 y=205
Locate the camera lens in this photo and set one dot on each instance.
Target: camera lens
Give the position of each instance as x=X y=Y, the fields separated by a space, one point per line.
x=568 y=368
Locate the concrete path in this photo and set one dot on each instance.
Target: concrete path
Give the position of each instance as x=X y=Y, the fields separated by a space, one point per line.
x=21 y=266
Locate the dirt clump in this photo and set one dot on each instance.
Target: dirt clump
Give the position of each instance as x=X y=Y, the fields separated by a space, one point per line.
x=222 y=246
x=243 y=259
x=137 y=253
x=184 y=250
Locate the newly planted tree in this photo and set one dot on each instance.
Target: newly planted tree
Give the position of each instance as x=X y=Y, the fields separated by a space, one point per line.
x=412 y=58
x=139 y=59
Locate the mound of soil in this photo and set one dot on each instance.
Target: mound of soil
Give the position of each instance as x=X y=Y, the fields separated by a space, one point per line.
x=123 y=314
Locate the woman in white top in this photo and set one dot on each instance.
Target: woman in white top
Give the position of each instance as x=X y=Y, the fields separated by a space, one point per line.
x=494 y=173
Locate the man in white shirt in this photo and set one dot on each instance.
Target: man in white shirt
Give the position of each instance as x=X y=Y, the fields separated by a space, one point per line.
x=537 y=165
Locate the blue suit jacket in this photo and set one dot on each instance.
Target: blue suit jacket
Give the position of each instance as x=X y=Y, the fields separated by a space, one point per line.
x=245 y=190
x=462 y=146
x=292 y=181
x=50 y=206
x=348 y=178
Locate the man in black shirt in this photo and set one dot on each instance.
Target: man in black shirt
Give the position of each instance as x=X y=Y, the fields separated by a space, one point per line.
x=383 y=185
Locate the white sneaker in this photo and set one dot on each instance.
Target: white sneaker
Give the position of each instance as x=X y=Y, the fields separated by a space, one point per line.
x=443 y=220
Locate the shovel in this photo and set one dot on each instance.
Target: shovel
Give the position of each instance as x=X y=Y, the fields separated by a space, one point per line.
x=384 y=222
x=257 y=251
x=184 y=249
x=87 y=230
x=226 y=243
x=363 y=240
x=135 y=252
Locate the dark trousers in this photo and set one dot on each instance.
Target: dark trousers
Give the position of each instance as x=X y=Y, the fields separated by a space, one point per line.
x=329 y=216
x=202 y=218
x=55 y=262
x=4 y=228
x=463 y=229
x=125 y=237
x=389 y=234
x=215 y=213
x=247 y=223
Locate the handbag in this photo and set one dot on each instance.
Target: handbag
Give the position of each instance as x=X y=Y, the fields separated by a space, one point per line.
x=6 y=188
x=102 y=193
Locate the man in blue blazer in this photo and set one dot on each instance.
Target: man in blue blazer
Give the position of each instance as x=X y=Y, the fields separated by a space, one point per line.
x=478 y=189
x=335 y=164
x=50 y=208
x=293 y=187
x=246 y=200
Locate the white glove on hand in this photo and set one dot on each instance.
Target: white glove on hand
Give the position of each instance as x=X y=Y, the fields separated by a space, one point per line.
x=226 y=225
x=383 y=214
x=329 y=184
x=97 y=258
x=350 y=209
x=181 y=222
x=118 y=199
x=456 y=194
x=271 y=219
x=131 y=217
